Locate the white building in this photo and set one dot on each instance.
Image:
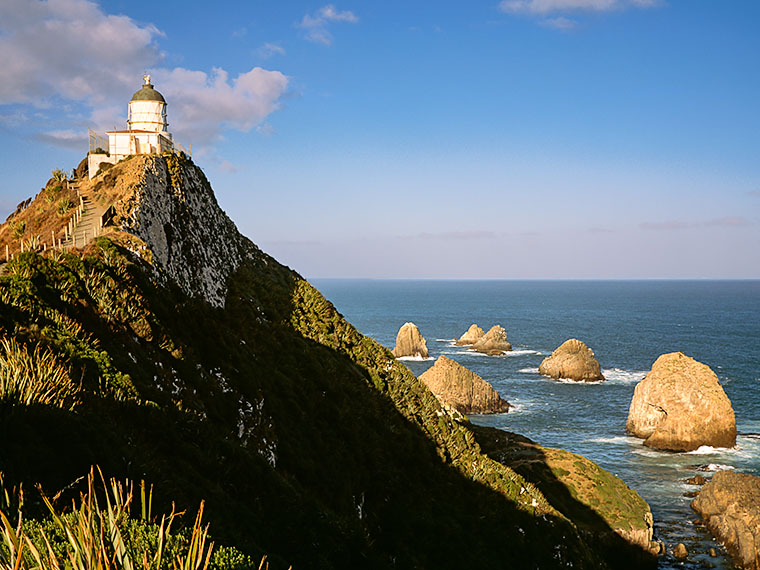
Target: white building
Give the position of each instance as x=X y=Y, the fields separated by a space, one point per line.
x=146 y=133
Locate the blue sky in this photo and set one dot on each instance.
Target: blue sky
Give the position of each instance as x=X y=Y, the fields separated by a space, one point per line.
x=513 y=139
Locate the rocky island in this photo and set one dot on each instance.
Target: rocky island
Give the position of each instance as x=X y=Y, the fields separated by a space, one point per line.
x=494 y=342
x=461 y=389
x=410 y=343
x=680 y=406
x=572 y=360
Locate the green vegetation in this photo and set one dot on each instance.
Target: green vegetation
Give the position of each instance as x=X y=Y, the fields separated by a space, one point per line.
x=34 y=378
x=307 y=441
x=18 y=228
x=64 y=205
x=100 y=532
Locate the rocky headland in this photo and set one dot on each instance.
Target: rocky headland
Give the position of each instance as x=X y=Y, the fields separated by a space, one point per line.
x=471 y=336
x=729 y=505
x=461 y=389
x=189 y=357
x=494 y=342
x=572 y=360
x=680 y=406
x=409 y=342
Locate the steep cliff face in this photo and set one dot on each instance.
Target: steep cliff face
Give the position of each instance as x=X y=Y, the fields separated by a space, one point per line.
x=193 y=242
x=206 y=366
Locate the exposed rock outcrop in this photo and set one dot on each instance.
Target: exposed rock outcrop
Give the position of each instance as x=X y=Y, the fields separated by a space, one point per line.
x=730 y=506
x=457 y=387
x=573 y=360
x=680 y=406
x=473 y=334
x=494 y=342
x=409 y=342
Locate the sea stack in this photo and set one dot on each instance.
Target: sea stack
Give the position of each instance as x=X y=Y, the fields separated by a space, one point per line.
x=409 y=342
x=730 y=506
x=680 y=406
x=494 y=342
x=573 y=360
x=457 y=387
x=473 y=334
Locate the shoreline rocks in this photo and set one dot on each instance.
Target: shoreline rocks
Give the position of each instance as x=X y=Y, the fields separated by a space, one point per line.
x=457 y=387
x=729 y=504
x=680 y=406
x=494 y=342
x=473 y=335
x=409 y=342
x=572 y=360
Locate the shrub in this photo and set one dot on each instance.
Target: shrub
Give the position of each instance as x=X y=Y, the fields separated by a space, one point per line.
x=18 y=229
x=64 y=205
x=59 y=175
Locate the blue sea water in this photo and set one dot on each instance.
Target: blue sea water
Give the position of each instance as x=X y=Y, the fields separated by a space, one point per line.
x=628 y=324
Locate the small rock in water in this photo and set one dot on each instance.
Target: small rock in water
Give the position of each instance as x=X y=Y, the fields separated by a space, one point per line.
x=696 y=480
x=680 y=551
x=712 y=552
x=699 y=522
x=691 y=494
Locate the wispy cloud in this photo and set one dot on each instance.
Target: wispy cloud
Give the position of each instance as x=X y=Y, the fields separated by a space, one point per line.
x=268 y=50
x=726 y=222
x=315 y=25
x=72 y=53
x=552 y=13
x=560 y=23
x=453 y=236
x=755 y=193
x=544 y=7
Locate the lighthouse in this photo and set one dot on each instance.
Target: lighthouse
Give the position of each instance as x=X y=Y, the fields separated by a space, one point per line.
x=147 y=130
x=147 y=110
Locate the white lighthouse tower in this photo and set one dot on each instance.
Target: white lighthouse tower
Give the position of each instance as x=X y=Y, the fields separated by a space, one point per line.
x=147 y=130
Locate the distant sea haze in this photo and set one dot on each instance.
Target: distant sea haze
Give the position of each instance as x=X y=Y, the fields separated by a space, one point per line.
x=627 y=324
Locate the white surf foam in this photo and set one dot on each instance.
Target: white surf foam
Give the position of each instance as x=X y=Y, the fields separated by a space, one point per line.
x=708 y=450
x=416 y=358
x=528 y=370
x=521 y=352
x=620 y=375
x=717 y=467
x=569 y=381
x=614 y=439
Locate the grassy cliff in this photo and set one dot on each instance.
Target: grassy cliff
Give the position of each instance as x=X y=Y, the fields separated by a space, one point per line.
x=307 y=440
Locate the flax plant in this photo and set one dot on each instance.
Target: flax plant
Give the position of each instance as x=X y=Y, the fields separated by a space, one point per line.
x=35 y=378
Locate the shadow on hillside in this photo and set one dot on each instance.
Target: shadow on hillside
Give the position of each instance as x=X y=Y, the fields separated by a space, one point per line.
x=355 y=478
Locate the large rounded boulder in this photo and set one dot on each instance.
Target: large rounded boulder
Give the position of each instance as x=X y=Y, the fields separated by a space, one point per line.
x=572 y=360
x=410 y=343
x=457 y=387
x=473 y=335
x=494 y=342
x=680 y=406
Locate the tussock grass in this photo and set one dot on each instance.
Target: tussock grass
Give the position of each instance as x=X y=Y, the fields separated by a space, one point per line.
x=36 y=377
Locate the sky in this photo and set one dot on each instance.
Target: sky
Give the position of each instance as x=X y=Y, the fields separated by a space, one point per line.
x=539 y=139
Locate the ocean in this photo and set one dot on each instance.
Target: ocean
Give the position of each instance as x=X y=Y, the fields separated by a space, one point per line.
x=627 y=324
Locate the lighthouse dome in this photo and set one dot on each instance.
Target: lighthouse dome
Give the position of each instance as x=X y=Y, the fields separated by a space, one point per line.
x=147 y=93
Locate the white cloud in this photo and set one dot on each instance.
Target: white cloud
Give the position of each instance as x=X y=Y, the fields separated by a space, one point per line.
x=202 y=105
x=543 y=7
x=62 y=53
x=315 y=26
